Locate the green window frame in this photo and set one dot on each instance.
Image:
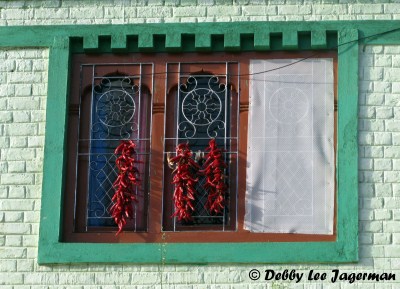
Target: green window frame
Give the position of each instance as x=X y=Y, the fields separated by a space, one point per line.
x=242 y=36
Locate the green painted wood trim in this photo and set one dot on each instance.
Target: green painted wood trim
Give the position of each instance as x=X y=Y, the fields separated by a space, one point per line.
x=203 y=41
x=196 y=253
x=232 y=41
x=173 y=42
x=146 y=42
x=347 y=146
x=118 y=42
x=390 y=38
x=290 y=39
x=318 y=39
x=262 y=40
x=54 y=149
x=91 y=42
x=43 y=36
x=51 y=250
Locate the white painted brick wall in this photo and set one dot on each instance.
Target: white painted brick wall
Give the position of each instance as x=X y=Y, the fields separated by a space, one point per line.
x=138 y=11
x=23 y=86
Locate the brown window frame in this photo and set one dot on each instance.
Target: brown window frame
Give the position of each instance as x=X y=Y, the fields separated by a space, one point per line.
x=155 y=232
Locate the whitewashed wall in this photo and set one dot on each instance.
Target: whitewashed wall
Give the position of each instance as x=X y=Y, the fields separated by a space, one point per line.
x=23 y=88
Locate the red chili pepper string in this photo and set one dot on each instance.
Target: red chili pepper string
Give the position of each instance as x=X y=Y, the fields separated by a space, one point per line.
x=184 y=179
x=124 y=196
x=216 y=186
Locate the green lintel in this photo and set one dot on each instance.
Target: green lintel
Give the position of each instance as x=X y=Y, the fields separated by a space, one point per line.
x=42 y=36
x=203 y=41
x=290 y=39
x=262 y=40
x=173 y=42
x=232 y=41
x=146 y=42
x=118 y=42
x=318 y=39
x=91 y=42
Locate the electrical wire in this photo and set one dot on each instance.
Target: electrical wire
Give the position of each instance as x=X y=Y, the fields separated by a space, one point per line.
x=290 y=64
x=318 y=53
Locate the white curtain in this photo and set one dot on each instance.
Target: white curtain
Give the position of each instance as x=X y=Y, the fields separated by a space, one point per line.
x=290 y=158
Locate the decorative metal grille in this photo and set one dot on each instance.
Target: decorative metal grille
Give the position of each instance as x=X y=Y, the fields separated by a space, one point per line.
x=120 y=110
x=204 y=108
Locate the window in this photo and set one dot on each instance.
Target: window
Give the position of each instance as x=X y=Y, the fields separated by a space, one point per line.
x=109 y=47
x=202 y=104
x=108 y=103
x=160 y=101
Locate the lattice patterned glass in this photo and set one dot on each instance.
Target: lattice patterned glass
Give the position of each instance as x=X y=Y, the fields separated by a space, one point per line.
x=202 y=107
x=120 y=109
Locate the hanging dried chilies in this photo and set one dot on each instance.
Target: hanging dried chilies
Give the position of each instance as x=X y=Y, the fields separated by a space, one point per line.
x=216 y=186
x=127 y=179
x=184 y=179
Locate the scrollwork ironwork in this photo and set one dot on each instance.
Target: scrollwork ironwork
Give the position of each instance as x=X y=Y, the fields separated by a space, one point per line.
x=115 y=102
x=203 y=102
x=115 y=108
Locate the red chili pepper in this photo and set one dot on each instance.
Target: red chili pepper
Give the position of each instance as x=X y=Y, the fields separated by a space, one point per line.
x=184 y=179
x=124 y=184
x=214 y=167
